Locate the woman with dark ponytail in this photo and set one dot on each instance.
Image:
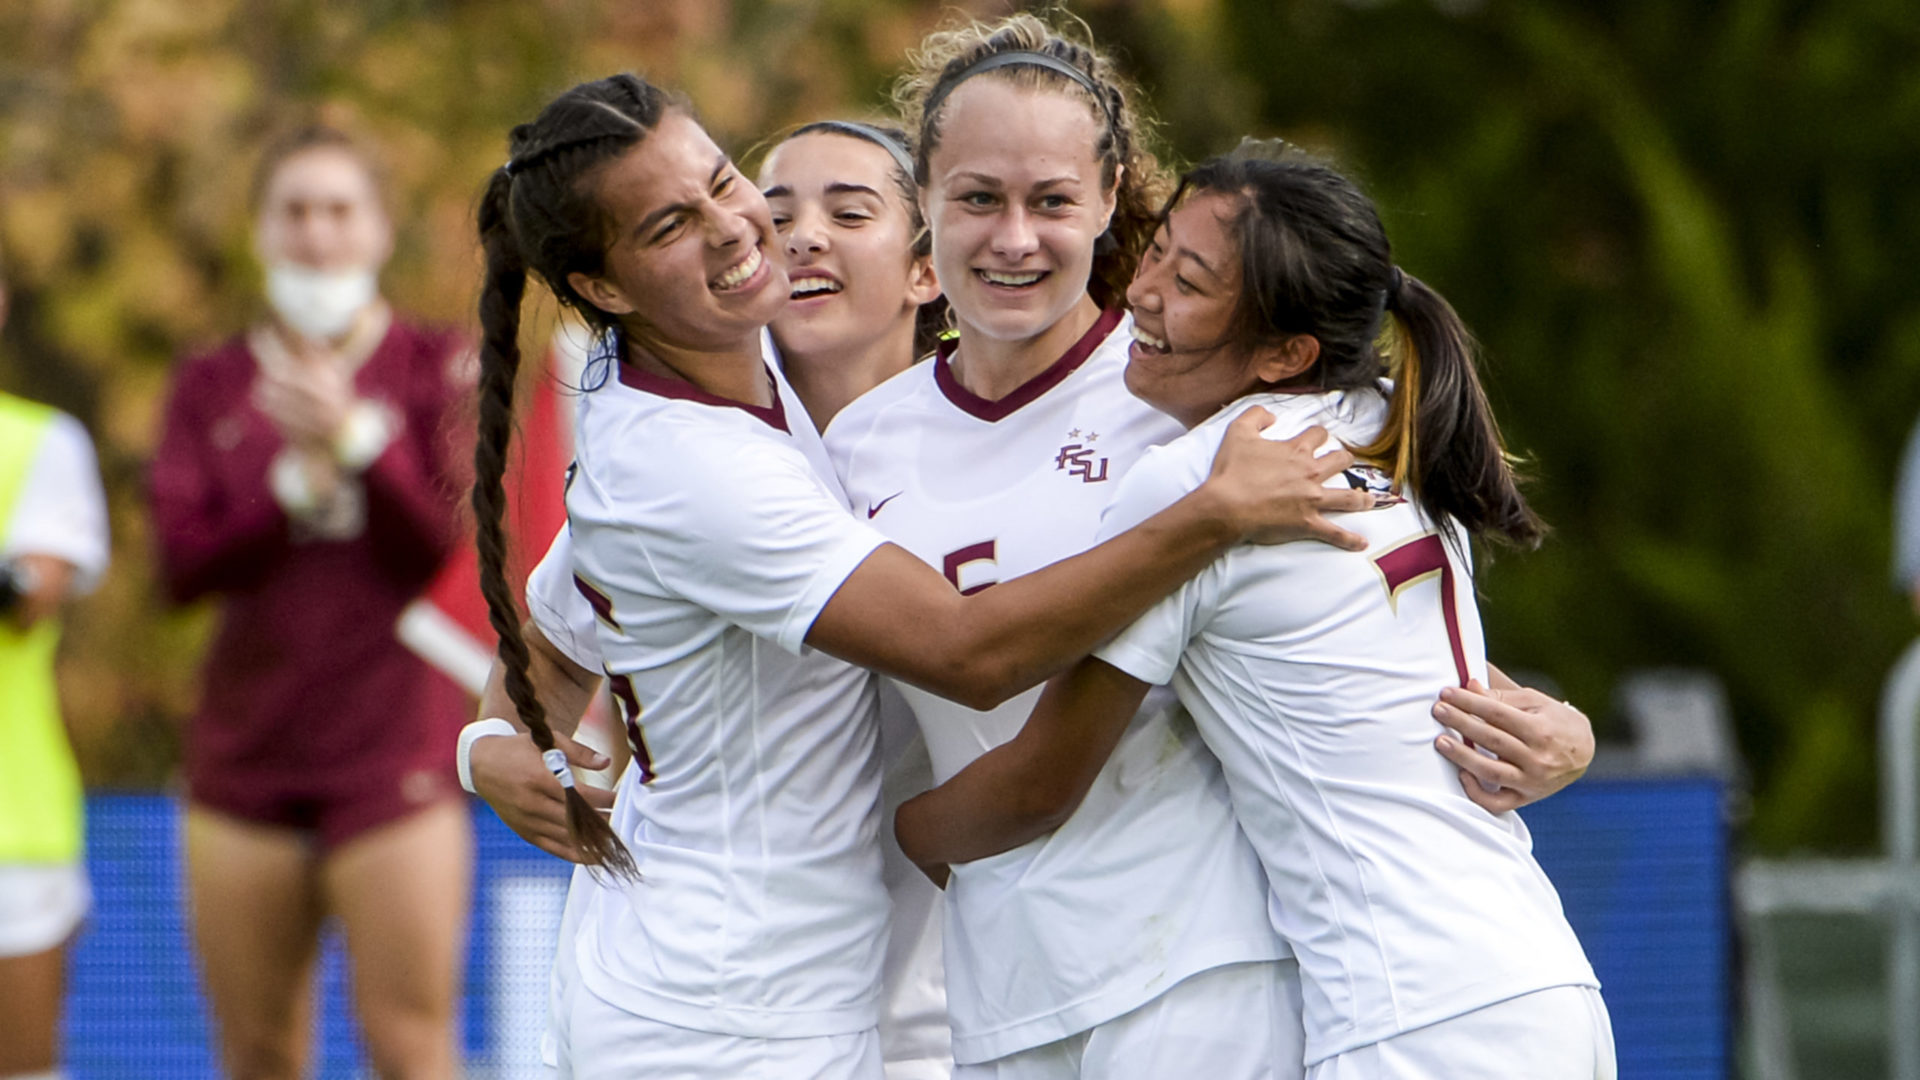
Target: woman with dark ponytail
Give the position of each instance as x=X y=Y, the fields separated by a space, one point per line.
x=1429 y=941
x=734 y=921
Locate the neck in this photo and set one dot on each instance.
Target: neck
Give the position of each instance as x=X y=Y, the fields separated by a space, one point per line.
x=736 y=372
x=993 y=368
x=828 y=383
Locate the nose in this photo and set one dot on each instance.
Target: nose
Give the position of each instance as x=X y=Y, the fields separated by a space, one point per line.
x=806 y=235
x=1013 y=235
x=1141 y=294
x=726 y=227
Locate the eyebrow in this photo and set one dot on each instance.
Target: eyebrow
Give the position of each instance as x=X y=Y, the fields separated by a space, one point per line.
x=645 y=228
x=994 y=181
x=1189 y=253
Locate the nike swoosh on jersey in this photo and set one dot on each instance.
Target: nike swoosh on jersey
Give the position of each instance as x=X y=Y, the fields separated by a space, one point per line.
x=874 y=508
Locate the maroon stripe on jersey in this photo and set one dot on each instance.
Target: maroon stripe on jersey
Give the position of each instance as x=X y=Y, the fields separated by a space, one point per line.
x=601 y=603
x=994 y=411
x=774 y=416
x=1418 y=560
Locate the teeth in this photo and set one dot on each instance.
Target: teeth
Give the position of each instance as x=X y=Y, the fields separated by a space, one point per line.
x=999 y=278
x=739 y=273
x=808 y=286
x=1148 y=340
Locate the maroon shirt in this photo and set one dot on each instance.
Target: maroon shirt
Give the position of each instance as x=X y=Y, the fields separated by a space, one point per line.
x=306 y=683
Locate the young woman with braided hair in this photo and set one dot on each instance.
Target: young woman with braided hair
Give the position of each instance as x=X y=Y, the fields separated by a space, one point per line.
x=737 y=923
x=862 y=307
x=1430 y=943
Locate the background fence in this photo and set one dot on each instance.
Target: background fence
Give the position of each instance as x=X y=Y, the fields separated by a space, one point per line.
x=1641 y=865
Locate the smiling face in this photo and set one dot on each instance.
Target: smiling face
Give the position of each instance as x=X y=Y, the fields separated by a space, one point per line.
x=687 y=239
x=1187 y=359
x=320 y=210
x=846 y=240
x=1015 y=200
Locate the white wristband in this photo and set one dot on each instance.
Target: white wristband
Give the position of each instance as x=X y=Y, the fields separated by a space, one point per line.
x=471 y=734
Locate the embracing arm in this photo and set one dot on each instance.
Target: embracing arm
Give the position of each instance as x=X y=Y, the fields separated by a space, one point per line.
x=1031 y=784
x=895 y=615
x=1541 y=744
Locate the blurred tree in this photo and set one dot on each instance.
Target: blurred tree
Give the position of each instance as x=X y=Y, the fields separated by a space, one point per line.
x=1679 y=228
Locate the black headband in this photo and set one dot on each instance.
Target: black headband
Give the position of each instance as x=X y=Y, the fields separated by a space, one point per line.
x=1008 y=59
x=870 y=133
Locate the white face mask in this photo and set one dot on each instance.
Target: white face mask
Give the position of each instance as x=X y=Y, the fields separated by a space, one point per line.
x=319 y=305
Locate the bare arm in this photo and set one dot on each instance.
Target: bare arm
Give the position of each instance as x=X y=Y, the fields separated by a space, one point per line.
x=1029 y=785
x=894 y=614
x=508 y=772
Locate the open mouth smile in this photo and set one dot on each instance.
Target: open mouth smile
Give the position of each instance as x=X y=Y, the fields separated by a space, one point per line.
x=807 y=286
x=1011 y=279
x=739 y=273
x=1147 y=343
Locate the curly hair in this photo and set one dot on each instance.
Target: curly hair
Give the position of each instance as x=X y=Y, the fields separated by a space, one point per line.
x=1125 y=146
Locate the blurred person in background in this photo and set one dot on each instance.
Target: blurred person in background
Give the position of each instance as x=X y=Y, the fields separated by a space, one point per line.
x=303 y=475
x=53 y=545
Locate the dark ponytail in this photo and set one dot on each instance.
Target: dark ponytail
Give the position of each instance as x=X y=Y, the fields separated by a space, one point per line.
x=539 y=214
x=1315 y=260
x=1440 y=438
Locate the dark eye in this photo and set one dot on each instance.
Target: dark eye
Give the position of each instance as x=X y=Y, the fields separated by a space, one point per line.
x=1184 y=285
x=781 y=221
x=672 y=226
x=852 y=217
x=978 y=199
x=1055 y=202
x=725 y=185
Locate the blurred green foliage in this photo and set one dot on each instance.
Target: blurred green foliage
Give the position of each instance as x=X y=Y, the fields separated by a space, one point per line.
x=1680 y=229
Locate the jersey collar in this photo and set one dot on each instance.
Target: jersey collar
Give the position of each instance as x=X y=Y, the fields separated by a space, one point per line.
x=993 y=411
x=774 y=416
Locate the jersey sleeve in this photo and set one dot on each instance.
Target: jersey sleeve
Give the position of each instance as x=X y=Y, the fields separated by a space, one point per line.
x=62 y=510
x=1149 y=650
x=559 y=609
x=750 y=533
x=1162 y=477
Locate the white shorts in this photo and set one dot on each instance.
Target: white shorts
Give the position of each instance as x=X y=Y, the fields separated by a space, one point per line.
x=603 y=1042
x=1238 y=1022
x=41 y=905
x=1562 y=1033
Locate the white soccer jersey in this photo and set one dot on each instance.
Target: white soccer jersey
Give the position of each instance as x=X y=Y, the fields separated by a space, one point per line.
x=1311 y=672
x=1150 y=881
x=61 y=510
x=707 y=545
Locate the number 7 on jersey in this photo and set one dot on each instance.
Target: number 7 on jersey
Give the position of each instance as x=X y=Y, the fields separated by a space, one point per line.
x=1413 y=561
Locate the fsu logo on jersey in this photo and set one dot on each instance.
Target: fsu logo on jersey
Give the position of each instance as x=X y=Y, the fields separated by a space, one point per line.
x=1077 y=458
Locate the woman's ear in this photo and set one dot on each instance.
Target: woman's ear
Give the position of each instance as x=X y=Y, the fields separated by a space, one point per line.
x=1289 y=360
x=1110 y=201
x=601 y=293
x=923 y=286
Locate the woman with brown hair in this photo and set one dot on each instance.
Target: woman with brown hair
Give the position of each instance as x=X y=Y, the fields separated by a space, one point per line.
x=304 y=477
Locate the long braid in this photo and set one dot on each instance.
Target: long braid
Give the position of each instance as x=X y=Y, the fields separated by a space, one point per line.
x=553 y=228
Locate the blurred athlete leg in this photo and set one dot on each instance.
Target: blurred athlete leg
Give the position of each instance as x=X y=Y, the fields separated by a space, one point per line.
x=256 y=925
x=30 y=1023
x=402 y=892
